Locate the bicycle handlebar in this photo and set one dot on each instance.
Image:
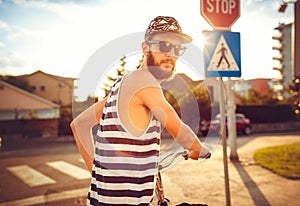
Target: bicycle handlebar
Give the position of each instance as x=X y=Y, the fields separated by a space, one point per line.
x=171 y=158
x=207 y=156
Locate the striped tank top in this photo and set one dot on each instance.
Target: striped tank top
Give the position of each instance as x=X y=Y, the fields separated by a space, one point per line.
x=124 y=166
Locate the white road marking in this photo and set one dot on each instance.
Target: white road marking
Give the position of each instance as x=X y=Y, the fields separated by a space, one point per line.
x=69 y=169
x=30 y=176
x=44 y=199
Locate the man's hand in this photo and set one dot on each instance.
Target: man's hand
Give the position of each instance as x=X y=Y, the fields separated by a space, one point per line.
x=193 y=155
x=196 y=154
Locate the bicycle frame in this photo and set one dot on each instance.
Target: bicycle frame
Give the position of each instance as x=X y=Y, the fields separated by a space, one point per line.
x=159 y=191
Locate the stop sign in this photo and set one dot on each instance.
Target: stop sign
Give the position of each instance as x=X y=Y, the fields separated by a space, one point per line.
x=220 y=14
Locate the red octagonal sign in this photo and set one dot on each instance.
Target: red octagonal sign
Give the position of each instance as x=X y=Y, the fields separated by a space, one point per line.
x=220 y=14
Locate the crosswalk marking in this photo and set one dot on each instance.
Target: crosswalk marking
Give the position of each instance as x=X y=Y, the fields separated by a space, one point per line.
x=30 y=176
x=69 y=169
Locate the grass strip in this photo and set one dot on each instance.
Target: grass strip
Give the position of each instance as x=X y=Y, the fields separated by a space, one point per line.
x=283 y=160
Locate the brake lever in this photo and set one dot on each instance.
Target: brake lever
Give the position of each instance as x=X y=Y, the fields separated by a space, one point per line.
x=185 y=155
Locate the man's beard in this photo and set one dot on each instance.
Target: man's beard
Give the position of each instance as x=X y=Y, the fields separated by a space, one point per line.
x=156 y=70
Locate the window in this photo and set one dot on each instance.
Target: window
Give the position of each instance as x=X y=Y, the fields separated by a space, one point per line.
x=42 y=88
x=33 y=88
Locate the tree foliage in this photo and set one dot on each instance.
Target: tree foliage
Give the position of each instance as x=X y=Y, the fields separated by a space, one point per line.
x=110 y=79
x=140 y=62
x=184 y=101
x=256 y=98
x=294 y=97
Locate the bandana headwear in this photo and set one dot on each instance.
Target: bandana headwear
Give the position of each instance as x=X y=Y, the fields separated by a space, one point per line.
x=169 y=24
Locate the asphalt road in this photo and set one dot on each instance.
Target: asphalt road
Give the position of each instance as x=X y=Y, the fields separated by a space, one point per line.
x=32 y=168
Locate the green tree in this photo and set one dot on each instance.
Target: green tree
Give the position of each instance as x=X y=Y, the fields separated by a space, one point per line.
x=170 y=96
x=256 y=98
x=110 y=79
x=140 y=62
x=184 y=101
x=203 y=98
x=294 y=97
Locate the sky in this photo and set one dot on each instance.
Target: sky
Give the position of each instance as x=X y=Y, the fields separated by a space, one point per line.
x=59 y=36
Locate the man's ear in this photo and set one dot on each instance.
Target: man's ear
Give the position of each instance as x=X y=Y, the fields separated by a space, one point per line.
x=146 y=48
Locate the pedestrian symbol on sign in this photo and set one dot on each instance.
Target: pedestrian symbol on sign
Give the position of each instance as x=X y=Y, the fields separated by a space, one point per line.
x=223 y=52
x=222 y=59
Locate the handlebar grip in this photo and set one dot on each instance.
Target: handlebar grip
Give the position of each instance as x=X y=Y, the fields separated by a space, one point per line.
x=208 y=155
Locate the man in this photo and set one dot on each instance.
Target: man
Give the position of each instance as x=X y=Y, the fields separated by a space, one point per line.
x=125 y=159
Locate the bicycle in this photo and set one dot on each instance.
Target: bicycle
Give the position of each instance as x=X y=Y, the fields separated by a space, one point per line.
x=169 y=158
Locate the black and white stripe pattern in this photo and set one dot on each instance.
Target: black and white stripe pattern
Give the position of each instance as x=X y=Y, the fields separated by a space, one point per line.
x=124 y=165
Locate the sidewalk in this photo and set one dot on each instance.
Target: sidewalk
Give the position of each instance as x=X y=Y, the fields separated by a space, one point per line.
x=16 y=142
x=249 y=183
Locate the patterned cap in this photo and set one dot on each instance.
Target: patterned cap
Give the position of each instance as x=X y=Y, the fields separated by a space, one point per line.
x=163 y=24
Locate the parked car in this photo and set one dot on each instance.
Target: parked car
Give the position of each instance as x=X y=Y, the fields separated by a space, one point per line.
x=243 y=125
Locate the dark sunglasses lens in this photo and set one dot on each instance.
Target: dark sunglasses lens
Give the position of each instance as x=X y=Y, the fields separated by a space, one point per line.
x=165 y=46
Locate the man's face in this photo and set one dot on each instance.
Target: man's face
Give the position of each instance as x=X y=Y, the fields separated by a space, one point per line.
x=162 y=64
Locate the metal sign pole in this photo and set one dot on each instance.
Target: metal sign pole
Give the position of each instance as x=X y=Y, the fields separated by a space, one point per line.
x=231 y=123
x=223 y=135
x=222 y=18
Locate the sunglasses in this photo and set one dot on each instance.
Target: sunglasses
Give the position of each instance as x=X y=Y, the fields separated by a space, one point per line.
x=165 y=47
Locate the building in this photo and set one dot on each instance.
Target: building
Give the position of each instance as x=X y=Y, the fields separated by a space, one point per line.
x=284 y=57
x=24 y=113
x=44 y=111
x=54 y=88
x=242 y=87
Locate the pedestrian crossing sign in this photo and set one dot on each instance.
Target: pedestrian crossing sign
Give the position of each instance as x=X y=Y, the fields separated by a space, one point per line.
x=222 y=54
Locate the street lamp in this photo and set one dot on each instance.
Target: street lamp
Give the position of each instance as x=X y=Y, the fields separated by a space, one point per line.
x=284 y=5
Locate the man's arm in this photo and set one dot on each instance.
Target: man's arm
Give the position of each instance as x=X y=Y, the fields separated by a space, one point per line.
x=81 y=127
x=153 y=98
